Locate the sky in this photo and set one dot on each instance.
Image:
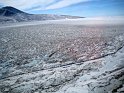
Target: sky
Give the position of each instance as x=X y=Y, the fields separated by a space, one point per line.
x=84 y=8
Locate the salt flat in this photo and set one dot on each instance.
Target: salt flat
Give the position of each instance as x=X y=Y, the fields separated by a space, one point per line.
x=62 y=56
x=117 y=20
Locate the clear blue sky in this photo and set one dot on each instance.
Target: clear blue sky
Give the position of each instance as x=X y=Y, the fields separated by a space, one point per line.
x=69 y=7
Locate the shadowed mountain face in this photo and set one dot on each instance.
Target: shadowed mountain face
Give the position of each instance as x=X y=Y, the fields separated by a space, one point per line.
x=9 y=11
x=11 y=14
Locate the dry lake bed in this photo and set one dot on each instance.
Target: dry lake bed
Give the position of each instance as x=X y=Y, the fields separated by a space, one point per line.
x=62 y=56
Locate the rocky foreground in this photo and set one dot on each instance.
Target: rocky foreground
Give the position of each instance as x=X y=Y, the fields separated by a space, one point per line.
x=62 y=63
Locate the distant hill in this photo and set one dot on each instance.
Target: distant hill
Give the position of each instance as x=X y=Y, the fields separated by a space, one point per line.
x=11 y=14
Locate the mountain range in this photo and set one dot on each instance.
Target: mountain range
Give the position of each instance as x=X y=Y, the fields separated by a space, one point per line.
x=11 y=14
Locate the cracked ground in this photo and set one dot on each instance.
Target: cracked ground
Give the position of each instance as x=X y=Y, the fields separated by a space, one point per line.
x=62 y=58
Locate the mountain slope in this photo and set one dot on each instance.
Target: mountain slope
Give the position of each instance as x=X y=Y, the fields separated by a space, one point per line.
x=9 y=11
x=11 y=14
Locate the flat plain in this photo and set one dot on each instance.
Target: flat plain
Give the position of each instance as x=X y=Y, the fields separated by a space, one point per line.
x=62 y=56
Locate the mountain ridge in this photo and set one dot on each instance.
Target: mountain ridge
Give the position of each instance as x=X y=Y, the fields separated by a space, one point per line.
x=11 y=14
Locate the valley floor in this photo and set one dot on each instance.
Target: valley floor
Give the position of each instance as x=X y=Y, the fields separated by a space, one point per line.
x=62 y=57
